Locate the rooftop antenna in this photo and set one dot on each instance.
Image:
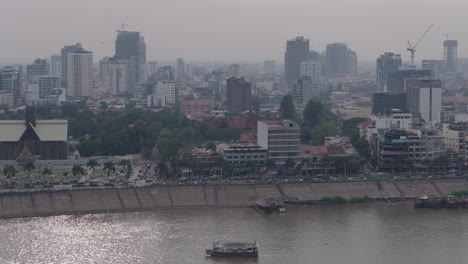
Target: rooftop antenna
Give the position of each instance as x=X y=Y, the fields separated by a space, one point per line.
x=412 y=48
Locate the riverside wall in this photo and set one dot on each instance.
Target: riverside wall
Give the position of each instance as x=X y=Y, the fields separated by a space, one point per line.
x=43 y=203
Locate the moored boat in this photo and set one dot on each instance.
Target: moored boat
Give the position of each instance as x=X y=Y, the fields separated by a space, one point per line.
x=270 y=205
x=451 y=201
x=233 y=249
x=421 y=202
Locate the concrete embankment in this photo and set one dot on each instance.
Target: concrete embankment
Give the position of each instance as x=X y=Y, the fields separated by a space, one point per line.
x=19 y=204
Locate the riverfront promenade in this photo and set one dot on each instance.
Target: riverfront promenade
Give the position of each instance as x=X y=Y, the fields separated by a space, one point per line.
x=42 y=203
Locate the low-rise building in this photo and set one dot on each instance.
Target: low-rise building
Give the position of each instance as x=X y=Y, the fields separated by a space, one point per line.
x=238 y=154
x=190 y=106
x=281 y=138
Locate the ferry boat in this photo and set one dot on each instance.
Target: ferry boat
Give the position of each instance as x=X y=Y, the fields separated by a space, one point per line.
x=233 y=249
x=269 y=205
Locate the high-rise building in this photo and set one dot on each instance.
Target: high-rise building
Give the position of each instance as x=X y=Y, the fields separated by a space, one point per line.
x=269 y=66
x=180 y=71
x=152 y=68
x=238 y=94
x=234 y=70
x=120 y=79
x=56 y=66
x=435 y=66
x=384 y=102
x=11 y=80
x=314 y=56
x=80 y=72
x=131 y=45
x=47 y=84
x=37 y=69
x=64 y=55
x=337 y=56
x=311 y=69
x=297 y=51
x=424 y=98
x=281 y=138
x=396 y=78
x=389 y=61
x=304 y=89
x=165 y=94
x=351 y=63
x=450 y=55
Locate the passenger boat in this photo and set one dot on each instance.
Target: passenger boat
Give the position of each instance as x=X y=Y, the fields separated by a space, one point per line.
x=451 y=201
x=421 y=202
x=233 y=249
x=270 y=205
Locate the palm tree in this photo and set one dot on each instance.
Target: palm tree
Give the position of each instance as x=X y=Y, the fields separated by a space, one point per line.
x=92 y=163
x=46 y=171
x=162 y=168
x=9 y=171
x=124 y=163
x=78 y=170
x=29 y=166
x=109 y=166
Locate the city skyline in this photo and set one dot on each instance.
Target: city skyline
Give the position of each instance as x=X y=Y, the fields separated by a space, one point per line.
x=230 y=31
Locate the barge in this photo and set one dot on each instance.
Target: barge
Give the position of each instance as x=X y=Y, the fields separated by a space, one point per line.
x=233 y=249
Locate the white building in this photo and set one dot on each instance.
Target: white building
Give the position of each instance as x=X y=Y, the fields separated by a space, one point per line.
x=311 y=69
x=424 y=97
x=80 y=72
x=395 y=120
x=281 y=138
x=237 y=154
x=165 y=94
x=119 y=76
x=56 y=66
x=234 y=70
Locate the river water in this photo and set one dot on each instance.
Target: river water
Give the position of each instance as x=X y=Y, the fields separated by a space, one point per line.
x=364 y=234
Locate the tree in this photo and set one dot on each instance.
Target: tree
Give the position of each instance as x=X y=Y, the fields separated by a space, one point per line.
x=322 y=130
x=287 y=109
x=92 y=163
x=289 y=164
x=46 y=171
x=9 y=171
x=312 y=113
x=29 y=166
x=210 y=146
x=108 y=167
x=270 y=164
x=124 y=163
x=162 y=168
x=78 y=170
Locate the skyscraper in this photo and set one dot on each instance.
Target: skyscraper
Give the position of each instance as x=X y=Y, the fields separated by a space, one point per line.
x=38 y=68
x=337 y=55
x=435 y=66
x=234 y=70
x=238 y=94
x=351 y=63
x=64 y=55
x=304 y=89
x=180 y=70
x=396 y=78
x=297 y=51
x=80 y=72
x=450 y=55
x=424 y=97
x=389 y=61
x=120 y=79
x=132 y=46
x=56 y=66
x=11 y=80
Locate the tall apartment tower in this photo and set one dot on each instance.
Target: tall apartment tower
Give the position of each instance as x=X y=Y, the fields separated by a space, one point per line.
x=119 y=79
x=180 y=70
x=238 y=94
x=435 y=66
x=450 y=55
x=424 y=97
x=37 y=69
x=337 y=57
x=152 y=68
x=297 y=51
x=131 y=45
x=11 y=80
x=351 y=63
x=234 y=70
x=64 y=55
x=56 y=66
x=389 y=61
x=281 y=138
x=80 y=73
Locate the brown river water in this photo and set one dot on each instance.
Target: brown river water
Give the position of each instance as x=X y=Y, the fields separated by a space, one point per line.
x=362 y=234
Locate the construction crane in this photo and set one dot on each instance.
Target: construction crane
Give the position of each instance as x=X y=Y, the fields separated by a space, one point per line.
x=123 y=23
x=412 y=48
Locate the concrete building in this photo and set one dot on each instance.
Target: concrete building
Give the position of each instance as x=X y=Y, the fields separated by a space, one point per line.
x=310 y=69
x=297 y=51
x=165 y=94
x=120 y=78
x=191 y=106
x=305 y=89
x=351 y=63
x=6 y=98
x=238 y=94
x=39 y=139
x=389 y=61
x=396 y=78
x=424 y=98
x=180 y=71
x=437 y=67
x=240 y=154
x=234 y=70
x=37 y=69
x=281 y=138
x=383 y=102
x=80 y=73
x=11 y=79
x=56 y=66
x=47 y=84
x=131 y=45
x=450 y=55
x=152 y=68
x=455 y=136
x=395 y=119
x=337 y=58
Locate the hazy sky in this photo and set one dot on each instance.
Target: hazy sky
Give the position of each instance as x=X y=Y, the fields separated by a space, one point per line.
x=230 y=30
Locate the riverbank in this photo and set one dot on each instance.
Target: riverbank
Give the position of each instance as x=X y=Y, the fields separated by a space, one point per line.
x=43 y=203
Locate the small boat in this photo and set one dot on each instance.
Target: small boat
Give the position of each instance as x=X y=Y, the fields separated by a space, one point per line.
x=233 y=249
x=451 y=201
x=421 y=202
x=270 y=205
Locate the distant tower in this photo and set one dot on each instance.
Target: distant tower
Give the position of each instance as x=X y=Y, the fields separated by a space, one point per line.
x=337 y=55
x=180 y=70
x=238 y=94
x=11 y=80
x=234 y=70
x=38 y=68
x=389 y=61
x=450 y=55
x=351 y=63
x=297 y=51
x=80 y=72
x=130 y=45
x=56 y=66
x=64 y=56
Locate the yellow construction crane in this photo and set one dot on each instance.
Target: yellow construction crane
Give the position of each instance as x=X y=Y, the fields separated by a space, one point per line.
x=412 y=48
